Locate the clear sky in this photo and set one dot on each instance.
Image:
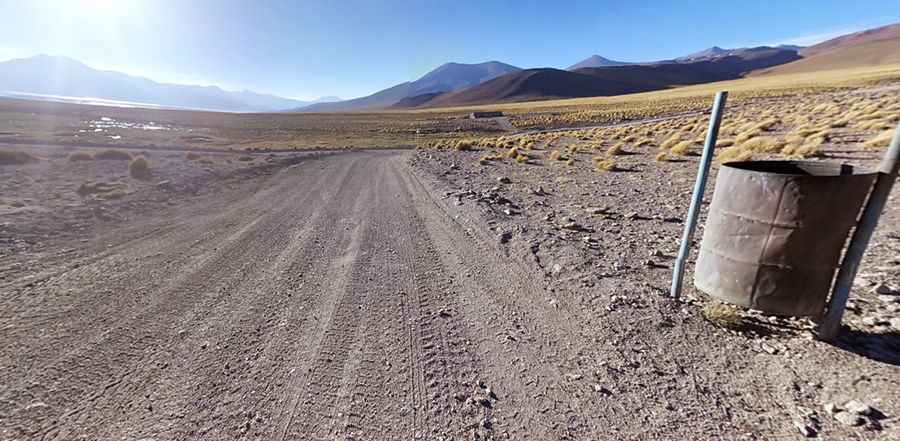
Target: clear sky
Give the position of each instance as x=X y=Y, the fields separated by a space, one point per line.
x=310 y=48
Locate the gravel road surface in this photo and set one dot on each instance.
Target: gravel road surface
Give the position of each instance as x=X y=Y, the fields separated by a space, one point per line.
x=343 y=298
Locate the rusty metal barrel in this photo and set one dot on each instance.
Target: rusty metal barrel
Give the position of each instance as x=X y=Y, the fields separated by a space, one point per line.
x=776 y=231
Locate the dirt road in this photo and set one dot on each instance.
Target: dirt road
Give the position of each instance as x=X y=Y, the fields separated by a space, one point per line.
x=341 y=298
x=336 y=301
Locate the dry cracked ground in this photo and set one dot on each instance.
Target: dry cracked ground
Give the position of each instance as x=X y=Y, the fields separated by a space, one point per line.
x=395 y=295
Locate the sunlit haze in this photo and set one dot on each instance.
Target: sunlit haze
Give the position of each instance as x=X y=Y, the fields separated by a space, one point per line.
x=307 y=49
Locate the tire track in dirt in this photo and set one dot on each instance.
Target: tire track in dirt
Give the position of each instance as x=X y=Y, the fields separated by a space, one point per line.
x=178 y=248
x=512 y=317
x=217 y=270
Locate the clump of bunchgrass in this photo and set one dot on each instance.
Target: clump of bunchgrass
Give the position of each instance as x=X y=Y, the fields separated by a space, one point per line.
x=734 y=154
x=139 y=168
x=15 y=157
x=722 y=315
x=683 y=148
x=81 y=156
x=604 y=165
x=880 y=140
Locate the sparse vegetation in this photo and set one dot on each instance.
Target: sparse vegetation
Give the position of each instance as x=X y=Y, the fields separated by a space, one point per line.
x=604 y=165
x=15 y=157
x=725 y=316
x=683 y=148
x=883 y=139
x=81 y=156
x=139 y=168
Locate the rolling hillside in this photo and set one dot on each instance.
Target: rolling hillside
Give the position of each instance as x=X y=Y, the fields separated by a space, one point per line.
x=541 y=84
x=874 y=47
x=446 y=78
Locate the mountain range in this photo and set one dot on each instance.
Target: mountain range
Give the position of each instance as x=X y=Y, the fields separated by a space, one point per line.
x=446 y=78
x=539 y=84
x=52 y=77
x=455 y=84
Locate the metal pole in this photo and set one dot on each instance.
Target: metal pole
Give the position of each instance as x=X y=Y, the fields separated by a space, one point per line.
x=691 y=222
x=887 y=174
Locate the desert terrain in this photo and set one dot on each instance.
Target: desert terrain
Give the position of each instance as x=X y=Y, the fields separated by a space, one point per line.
x=509 y=286
x=409 y=272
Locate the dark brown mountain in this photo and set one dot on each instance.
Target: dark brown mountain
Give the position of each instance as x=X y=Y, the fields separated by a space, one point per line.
x=446 y=78
x=542 y=84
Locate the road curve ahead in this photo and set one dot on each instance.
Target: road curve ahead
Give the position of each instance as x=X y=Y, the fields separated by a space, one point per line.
x=338 y=300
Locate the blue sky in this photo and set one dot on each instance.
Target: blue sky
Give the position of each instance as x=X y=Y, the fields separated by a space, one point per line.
x=306 y=49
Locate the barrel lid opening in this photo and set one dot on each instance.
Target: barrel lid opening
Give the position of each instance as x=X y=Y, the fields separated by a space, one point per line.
x=798 y=168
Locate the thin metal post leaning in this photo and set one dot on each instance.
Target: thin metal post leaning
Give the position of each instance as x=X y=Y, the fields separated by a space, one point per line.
x=887 y=174
x=691 y=222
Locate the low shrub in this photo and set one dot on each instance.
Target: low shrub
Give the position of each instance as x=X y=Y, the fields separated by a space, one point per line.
x=139 y=168
x=15 y=157
x=604 y=165
x=81 y=156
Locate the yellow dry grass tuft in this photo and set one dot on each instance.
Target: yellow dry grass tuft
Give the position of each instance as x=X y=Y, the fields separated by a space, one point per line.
x=670 y=141
x=762 y=144
x=604 y=165
x=723 y=315
x=880 y=140
x=734 y=154
x=464 y=145
x=682 y=148
x=512 y=153
x=747 y=135
x=662 y=156
x=616 y=149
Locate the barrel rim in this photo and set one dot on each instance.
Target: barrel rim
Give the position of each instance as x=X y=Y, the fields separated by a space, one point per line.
x=753 y=167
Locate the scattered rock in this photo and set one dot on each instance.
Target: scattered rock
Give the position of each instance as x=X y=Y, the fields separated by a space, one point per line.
x=601 y=389
x=895 y=323
x=807 y=428
x=889 y=298
x=569 y=224
x=503 y=180
x=885 y=289
x=849 y=419
x=505 y=236
x=858 y=407
x=874 y=321
x=831 y=408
